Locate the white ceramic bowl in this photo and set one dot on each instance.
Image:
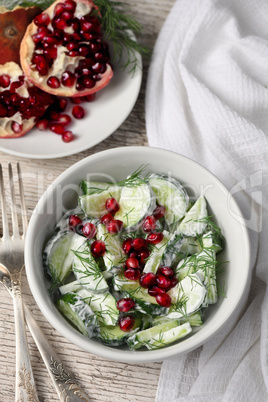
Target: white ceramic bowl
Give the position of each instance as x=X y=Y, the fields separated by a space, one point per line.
x=118 y=163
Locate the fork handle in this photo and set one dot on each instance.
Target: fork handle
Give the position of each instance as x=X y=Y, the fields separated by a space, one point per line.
x=25 y=385
x=64 y=382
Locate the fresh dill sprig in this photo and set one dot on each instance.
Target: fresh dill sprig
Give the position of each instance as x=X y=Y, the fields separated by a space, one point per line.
x=134 y=180
x=117 y=25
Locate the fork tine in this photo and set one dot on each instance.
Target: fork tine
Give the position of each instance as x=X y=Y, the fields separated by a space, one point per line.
x=15 y=224
x=22 y=199
x=3 y=205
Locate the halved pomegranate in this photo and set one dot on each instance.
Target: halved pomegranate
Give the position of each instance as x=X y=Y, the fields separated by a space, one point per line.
x=63 y=52
x=21 y=103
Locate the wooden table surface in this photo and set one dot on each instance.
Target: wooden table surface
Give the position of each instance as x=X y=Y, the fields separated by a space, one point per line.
x=104 y=380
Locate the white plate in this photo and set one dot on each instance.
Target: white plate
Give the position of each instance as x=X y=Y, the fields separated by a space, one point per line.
x=103 y=116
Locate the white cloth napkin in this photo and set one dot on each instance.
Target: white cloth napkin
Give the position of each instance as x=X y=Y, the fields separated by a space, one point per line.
x=207 y=98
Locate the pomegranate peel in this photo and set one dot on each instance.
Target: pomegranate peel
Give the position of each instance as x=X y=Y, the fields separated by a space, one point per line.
x=13 y=24
x=45 y=52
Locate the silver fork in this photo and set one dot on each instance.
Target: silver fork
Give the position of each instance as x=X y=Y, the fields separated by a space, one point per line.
x=12 y=246
x=11 y=265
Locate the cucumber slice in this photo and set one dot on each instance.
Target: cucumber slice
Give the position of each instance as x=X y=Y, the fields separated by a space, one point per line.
x=187 y=296
x=154 y=260
x=213 y=241
x=73 y=307
x=144 y=302
x=170 y=193
x=91 y=187
x=159 y=336
x=203 y=263
x=58 y=255
x=135 y=202
x=114 y=336
x=87 y=271
x=93 y=205
x=103 y=305
x=114 y=255
x=195 y=320
x=194 y=223
x=71 y=287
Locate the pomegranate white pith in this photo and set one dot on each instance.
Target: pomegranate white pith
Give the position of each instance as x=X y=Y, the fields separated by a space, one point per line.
x=62 y=51
x=21 y=104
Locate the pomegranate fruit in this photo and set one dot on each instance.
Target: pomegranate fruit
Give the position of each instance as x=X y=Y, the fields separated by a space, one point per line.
x=13 y=24
x=21 y=103
x=63 y=52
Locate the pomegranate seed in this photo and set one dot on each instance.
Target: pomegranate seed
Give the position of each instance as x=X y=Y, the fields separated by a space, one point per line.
x=53 y=82
x=147 y=280
x=155 y=290
x=78 y=112
x=155 y=238
x=42 y=20
x=139 y=244
x=16 y=127
x=90 y=98
x=83 y=51
x=132 y=263
x=167 y=271
x=126 y=323
x=67 y=15
x=4 y=80
x=127 y=245
x=133 y=254
x=159 y=212
x=51 y=52
x=162 y=281
x=125 y=304
x=115 y=226
x=11 y=111
x=149 y=224
x=42 y=32
x=112 y=205
x=75 y=24
x=73 y=53
x=79 y=85
x=59 y=9
x=98 y=248
x=23 y=104
x=74 y=220
x=64 y=119
x=88 y=82
x=41 y=64
x=15 y=99
x=59 y=23
x=99 y=68
x=3 y=110
x=68 y=136
x=62 y=104
x=77 y=100
x=143 y=255
x=105 y=219
x=173 y=282
x=53 y=115
x=57 y=128
x=163 y=300
x=42 y=124
x=89 y=230
x=72 y=46
x=68 y=79
x=70 y=5
x=132 y=274
x=50 y=40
